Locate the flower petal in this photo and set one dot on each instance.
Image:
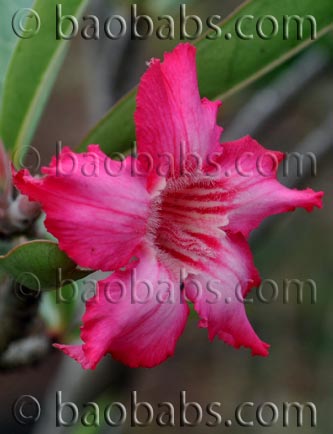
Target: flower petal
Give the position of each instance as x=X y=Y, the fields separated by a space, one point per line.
x=171 y=120
x=252 y=192
x=137 y=323
x=94 y=207
x=218 y=291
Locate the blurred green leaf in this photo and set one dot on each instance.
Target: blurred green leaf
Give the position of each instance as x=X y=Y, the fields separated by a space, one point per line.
x=32 y=73
x=88 y=427
x=58 y=308
x=224 y=66
x=40 y=265
x=51 y=314
x=8 y=39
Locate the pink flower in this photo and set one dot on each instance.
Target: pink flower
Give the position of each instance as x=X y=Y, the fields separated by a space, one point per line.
x=183 y=210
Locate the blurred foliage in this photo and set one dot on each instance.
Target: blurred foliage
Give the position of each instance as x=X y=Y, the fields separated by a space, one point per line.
x=8 y=39
x=225 y=66
x=31 y=75
x=40 y=265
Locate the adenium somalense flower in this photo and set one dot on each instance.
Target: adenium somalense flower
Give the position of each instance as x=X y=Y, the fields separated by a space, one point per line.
x=172 y=224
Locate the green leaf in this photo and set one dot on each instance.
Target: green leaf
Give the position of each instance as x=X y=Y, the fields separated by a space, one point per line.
x=58 y=308
x=224 y=66
x=116 y=131
x=32 y=73
x=40 y=265
x=8 y=39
